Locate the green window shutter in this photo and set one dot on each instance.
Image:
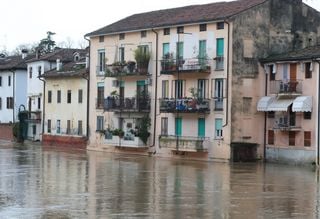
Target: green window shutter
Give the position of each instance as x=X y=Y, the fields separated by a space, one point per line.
x=218 y=124
x=178 y=126
x=201 y=127
x=100 y=84
x=141 y=83
x=180 y=50
x=202 y=48
x=220 y=47
x=165 y=49
x=121 y=83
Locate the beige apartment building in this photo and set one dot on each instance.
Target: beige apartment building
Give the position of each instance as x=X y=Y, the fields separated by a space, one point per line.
x=185 y=81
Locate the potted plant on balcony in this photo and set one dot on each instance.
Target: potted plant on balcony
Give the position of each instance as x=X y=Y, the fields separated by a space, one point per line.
x=143 y=129
x=118 y=132
x=142 y=58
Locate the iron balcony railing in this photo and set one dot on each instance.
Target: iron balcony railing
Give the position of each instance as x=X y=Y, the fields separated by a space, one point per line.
x=285 y=87
x=184 y=143
x=287 y=123
x=219 y=62
x=172 y=66
x=130 y=68
x=127 y=104
x=185 y=105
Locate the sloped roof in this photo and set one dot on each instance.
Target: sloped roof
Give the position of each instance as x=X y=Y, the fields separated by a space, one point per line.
x=308 y=53
x=14 y=62
x=178 y=16
x=65 y=55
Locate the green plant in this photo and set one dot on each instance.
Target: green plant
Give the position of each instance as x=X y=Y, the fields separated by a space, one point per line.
x=114 y=93
x=118 y=132
x=194 y=92
x=143 y=129
x=142 y=55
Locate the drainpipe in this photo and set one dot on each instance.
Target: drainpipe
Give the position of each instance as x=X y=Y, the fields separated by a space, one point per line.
x=227 y=91
x=318 y=143
x=88 y=89
x=265 y=121
x=43 y=103
x=156 y=92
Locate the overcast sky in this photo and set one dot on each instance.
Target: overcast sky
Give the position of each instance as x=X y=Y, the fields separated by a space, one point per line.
x=26 y=22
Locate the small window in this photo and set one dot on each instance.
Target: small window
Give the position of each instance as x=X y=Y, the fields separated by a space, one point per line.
x=69 y=96
x=307 y=139
x=203 y=27
x=39 y=103
x=68 y=131
x=30 y=72
x=100 y=123
x=0 y=103
x=308 y=70
x=121 y=36
x=143 y=33
x=9 y=102
x=39 y=70
x=307 y=115
x=272 y=75
x=271 y=114
x=292 y=138
x=49 y=126
x=80 y=131
x=58 y=127
x=49 y=96
x=0 y=81
x=9 y=80
x=218 y=128
x=180 y=29
x=164 y=126
x=80 y=94
x=101 y=39
x=270 y=137
x=220 y=25
x=58 y=96
x=166 y=31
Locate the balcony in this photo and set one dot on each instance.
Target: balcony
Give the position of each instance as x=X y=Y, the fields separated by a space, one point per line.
x=128 y=104
x=134 y=142
x=185 y=105
x=130 y=68
x=184 y=143
x=172 y=66
x=34 y=117
x=286 y=88
x=219 y=63
x=287 y=123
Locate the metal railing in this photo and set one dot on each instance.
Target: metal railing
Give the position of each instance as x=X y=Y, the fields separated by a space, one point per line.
x=219 y=62
x=126 y=69
x=285 y=87
x=171 y=66
x=185 y=143
x=186 y=105
x=127 y=104
x=287 y=122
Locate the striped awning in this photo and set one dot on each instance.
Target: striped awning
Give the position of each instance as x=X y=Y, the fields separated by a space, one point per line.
x=263 y=103
x=302 y=104
x=280 y=105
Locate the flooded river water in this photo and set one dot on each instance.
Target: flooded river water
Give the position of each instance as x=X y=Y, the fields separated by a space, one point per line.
x=36 y=182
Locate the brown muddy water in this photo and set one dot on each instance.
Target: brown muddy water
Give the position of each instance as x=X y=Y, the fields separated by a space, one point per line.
x=36 y=182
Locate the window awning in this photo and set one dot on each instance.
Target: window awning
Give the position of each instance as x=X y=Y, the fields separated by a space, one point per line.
x=302 y=104
x=263 y=103
x=280 y=105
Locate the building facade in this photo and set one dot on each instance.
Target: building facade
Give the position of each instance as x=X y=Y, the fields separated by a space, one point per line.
x=202 y=77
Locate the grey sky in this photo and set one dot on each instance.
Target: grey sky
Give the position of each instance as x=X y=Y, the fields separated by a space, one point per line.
x=28 y=21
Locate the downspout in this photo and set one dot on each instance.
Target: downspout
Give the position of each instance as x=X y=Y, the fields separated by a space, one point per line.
x=43 y=103
x=88 y=89
x=227 y=80
x=156 y=92
x=318 y=143
x=265 y=121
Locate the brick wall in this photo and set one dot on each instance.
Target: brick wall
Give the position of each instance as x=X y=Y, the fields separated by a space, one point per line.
x=6 y=132
x=64 y=141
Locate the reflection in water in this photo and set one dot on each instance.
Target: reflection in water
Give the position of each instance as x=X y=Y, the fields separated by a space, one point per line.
x=36 y=182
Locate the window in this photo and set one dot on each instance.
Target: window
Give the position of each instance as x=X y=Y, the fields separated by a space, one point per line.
x=178 y=126
x=307 y=115
x=203 y=27
x=272 y=75
x=69 y=96
x=39 y=70
x=164 y=126
x=58 y=96
x=100 y=95
x=0 y=81
x=166 y=31
x=0 y=103
x=101 y=60
x=80 y=93
x=39 y=103
x=270 y=137
x=9 y=102
x=101 y=39
x=143 y=33
x=80 y=131
x=179 y=88
x=218 y=94
x=271 y=114
x=202 y=88
x=165 y=50
x=308 y=70
x=220 y=54
x=100 y=123
x=34 y=129
x=49 y=126
x=121 y=36
x=202 y=56
x=201 y=127
x=68 y=131
x=121 y=54
x=180 y=29
x=49 y=96
x=218 y=128
x=58 y=127
x=292 y=138
x=307 y=138
x=180 y=50
x=165 y=89
x=220 y=25
x=9 y=80
x=30 y=72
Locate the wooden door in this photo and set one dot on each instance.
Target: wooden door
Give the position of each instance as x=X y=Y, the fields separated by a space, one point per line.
x=293 y=72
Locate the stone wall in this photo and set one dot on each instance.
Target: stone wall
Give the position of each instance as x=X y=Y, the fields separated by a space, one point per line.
x=6 y=132
x=64 y=141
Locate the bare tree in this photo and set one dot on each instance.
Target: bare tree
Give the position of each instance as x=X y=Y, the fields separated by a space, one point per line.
x=67 y=43
x=31 y=48
x=82 y=44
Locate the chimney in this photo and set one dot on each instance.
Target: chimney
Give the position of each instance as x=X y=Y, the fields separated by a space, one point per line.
x=59 y=64
x=87 y=61
x=24 y=53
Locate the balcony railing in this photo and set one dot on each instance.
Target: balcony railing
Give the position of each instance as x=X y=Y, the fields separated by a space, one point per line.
x=125 y=141
x=219 y=62
x=100 y=70
x=287 y=123
x=185 y=105
x=127 y=104
x=172 y=66
x=218 y=104
x=122 y=69
x=285 y=88
x=184 y=143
